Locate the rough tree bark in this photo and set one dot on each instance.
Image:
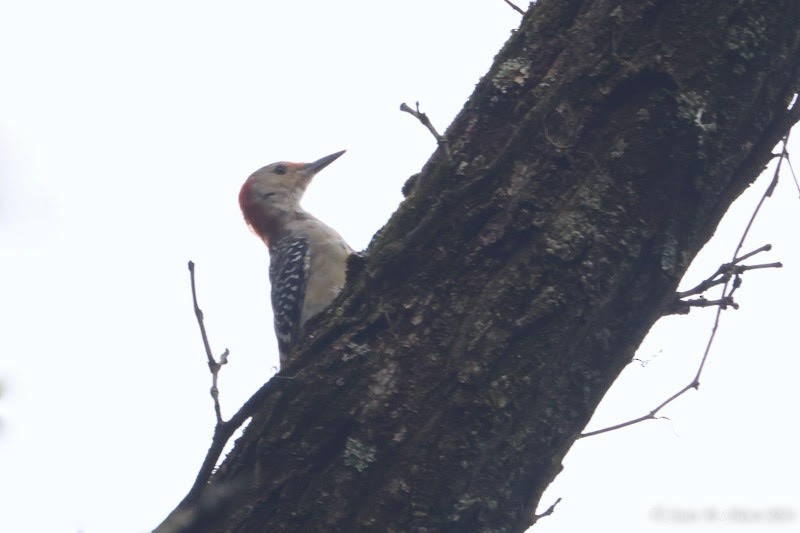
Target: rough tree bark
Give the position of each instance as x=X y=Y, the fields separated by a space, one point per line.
x=487 y=319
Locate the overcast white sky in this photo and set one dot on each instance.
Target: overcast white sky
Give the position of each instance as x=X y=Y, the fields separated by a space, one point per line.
x=126 y=130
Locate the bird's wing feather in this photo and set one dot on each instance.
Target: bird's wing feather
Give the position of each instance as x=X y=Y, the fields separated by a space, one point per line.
x=287 y=273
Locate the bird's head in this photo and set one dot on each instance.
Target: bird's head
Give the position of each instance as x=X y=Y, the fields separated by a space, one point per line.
x=271 y=195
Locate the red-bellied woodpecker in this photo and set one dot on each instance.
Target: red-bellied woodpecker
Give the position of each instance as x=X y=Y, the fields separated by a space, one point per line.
x=307 y=258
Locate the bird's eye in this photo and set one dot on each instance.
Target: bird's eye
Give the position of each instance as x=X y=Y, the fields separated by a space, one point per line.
x=279 y=169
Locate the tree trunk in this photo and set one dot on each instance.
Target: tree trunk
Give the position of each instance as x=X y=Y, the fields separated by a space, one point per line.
x=487 y=319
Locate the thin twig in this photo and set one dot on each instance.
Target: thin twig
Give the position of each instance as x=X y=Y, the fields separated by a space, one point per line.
x=725 y=295
x=694 y=384
x=721 y=277
x=767 y=194
x=725 y=271
x=765 y=248
x=422 y=117
x=213 y=366
x=794 y=176
x=514 y=7
x=223 y=429
x=547 y=512
x=685 y=305
x=223 y=432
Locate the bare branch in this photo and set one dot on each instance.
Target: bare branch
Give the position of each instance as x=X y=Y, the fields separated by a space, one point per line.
x=767 y=194
x=722 y=277
x=794 y=176
x=222 y=433
x=725 y=271
x=213 y=366
x=422 y=117
x=685 y=305
x=547 y=512
x=223 y=430
x=515 y=8
x=765 y=248
x=649 y=416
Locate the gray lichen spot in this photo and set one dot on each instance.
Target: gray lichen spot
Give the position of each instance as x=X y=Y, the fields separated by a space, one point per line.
x=498 y=399
x=400 y=434
x=692 y=107
x=468 y=503
x=383 y=385
x=469 y=372
x=746 y=40
x=512 y=72
x=669 y=253
x=358 y=455
x=520 y=177
x=465 y=502
x=353 y=350
x=570 y=236
x=619 y=149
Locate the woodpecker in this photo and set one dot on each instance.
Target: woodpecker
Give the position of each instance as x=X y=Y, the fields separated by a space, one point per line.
x=307 y=258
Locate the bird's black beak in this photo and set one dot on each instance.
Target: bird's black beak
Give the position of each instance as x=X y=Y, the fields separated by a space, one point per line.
x=319 y=164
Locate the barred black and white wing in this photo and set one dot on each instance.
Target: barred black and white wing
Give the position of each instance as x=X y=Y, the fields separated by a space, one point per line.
x=288 y=269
